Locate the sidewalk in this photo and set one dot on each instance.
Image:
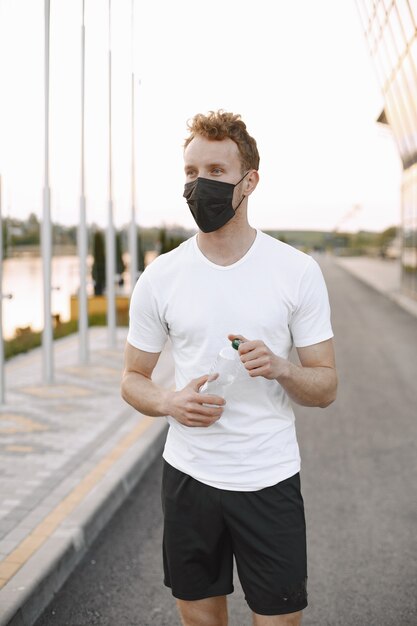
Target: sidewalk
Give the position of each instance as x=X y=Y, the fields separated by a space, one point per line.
x=384 y=275
x=70 y=453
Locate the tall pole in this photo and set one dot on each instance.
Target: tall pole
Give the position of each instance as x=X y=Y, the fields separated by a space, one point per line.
x=82 y=227
x=133 y=238
x=2 y=297
x=2 y=381
x=46 y=232
x=110 y=251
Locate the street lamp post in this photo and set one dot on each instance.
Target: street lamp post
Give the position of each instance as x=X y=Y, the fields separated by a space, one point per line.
x=2 y=297
x=46 y=232
x=133 y=238
x=110 y=234
x=82 y=227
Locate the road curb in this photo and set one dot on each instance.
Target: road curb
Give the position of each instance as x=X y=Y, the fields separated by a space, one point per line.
x=32 y=588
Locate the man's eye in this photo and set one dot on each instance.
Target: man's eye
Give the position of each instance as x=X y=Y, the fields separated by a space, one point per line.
x=216 y=170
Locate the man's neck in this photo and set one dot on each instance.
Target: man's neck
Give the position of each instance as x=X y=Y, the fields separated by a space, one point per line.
x=228 y=244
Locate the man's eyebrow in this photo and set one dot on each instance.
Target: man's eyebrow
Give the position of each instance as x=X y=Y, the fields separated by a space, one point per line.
x=213 y=164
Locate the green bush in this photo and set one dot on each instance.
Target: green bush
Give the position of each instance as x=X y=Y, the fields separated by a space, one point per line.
x=31 y=339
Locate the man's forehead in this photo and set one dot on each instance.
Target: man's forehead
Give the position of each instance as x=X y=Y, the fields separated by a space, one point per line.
x=211 y=150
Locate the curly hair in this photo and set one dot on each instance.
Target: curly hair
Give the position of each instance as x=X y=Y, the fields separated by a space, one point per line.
x=218 y=125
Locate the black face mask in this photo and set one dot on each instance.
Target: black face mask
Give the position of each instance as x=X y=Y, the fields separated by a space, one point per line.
x=210 y=202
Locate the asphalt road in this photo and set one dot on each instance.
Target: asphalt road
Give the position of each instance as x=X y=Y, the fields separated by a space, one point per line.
x=359 y=483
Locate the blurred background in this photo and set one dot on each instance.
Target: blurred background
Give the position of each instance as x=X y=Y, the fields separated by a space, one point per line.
x=329 y=90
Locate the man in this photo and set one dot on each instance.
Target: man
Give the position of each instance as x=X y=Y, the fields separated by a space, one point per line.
x=230 y=483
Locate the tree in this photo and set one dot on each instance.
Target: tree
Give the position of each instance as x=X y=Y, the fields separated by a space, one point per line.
x=120 y=264
x=387 y=236
x=162 y=241
x=99 y=264
x=385 y=240
x=166 y=244
x=141 y=252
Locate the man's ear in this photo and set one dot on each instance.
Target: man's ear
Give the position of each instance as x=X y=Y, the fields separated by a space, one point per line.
x=251 y=181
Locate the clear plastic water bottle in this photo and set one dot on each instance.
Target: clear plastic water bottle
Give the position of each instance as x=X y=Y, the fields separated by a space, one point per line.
x=226 y=366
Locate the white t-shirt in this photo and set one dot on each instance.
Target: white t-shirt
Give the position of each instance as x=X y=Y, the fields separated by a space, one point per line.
x=274 y=293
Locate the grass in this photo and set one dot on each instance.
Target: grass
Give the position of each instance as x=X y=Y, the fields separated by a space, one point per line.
x=29 y=340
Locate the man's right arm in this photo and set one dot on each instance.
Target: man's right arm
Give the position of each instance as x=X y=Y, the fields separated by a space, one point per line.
x=185 y=405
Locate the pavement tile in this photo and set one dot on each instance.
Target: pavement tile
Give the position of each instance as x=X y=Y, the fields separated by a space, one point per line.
x=26 y=548
x=52 y=500
x=24 y=525
x=24 y=493
x=46 y=527
x=5 y=527
x=31 y=501
x=13 y=423
x=34 y=518
x=7 y=569
x=7 y=545
x=17 y=534
x=56 y=391
x=18 y=513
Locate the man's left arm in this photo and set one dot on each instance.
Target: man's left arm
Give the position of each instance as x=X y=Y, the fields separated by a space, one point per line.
x=312 y=383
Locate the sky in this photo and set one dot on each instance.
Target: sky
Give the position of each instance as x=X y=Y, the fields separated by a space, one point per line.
x=298 y=72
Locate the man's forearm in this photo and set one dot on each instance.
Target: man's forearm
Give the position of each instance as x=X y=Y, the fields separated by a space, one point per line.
x=309 y=386
x=186 y=405
x=144 y=395
x=313 y=383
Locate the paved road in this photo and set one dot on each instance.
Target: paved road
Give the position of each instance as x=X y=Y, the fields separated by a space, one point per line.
x=359 y=485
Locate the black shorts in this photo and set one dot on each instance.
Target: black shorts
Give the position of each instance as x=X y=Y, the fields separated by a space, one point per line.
x=264 y=530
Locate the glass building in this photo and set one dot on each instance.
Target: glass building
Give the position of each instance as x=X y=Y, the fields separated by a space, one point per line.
x=390 y=28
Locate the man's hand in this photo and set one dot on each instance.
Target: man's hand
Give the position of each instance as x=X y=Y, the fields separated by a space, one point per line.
x=259 y=360
x=312 y=383
x=190 y=408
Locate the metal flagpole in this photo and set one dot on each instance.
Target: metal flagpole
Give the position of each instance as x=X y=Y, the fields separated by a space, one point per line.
x=110 y=239
x=133 y=238
x=2 y=297
x=46 y=232
x=82 y=227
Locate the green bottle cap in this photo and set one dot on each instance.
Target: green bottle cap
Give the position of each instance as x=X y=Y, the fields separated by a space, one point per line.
x=236 y=343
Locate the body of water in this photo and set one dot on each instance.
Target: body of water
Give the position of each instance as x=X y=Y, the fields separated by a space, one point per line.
x=22 y=277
